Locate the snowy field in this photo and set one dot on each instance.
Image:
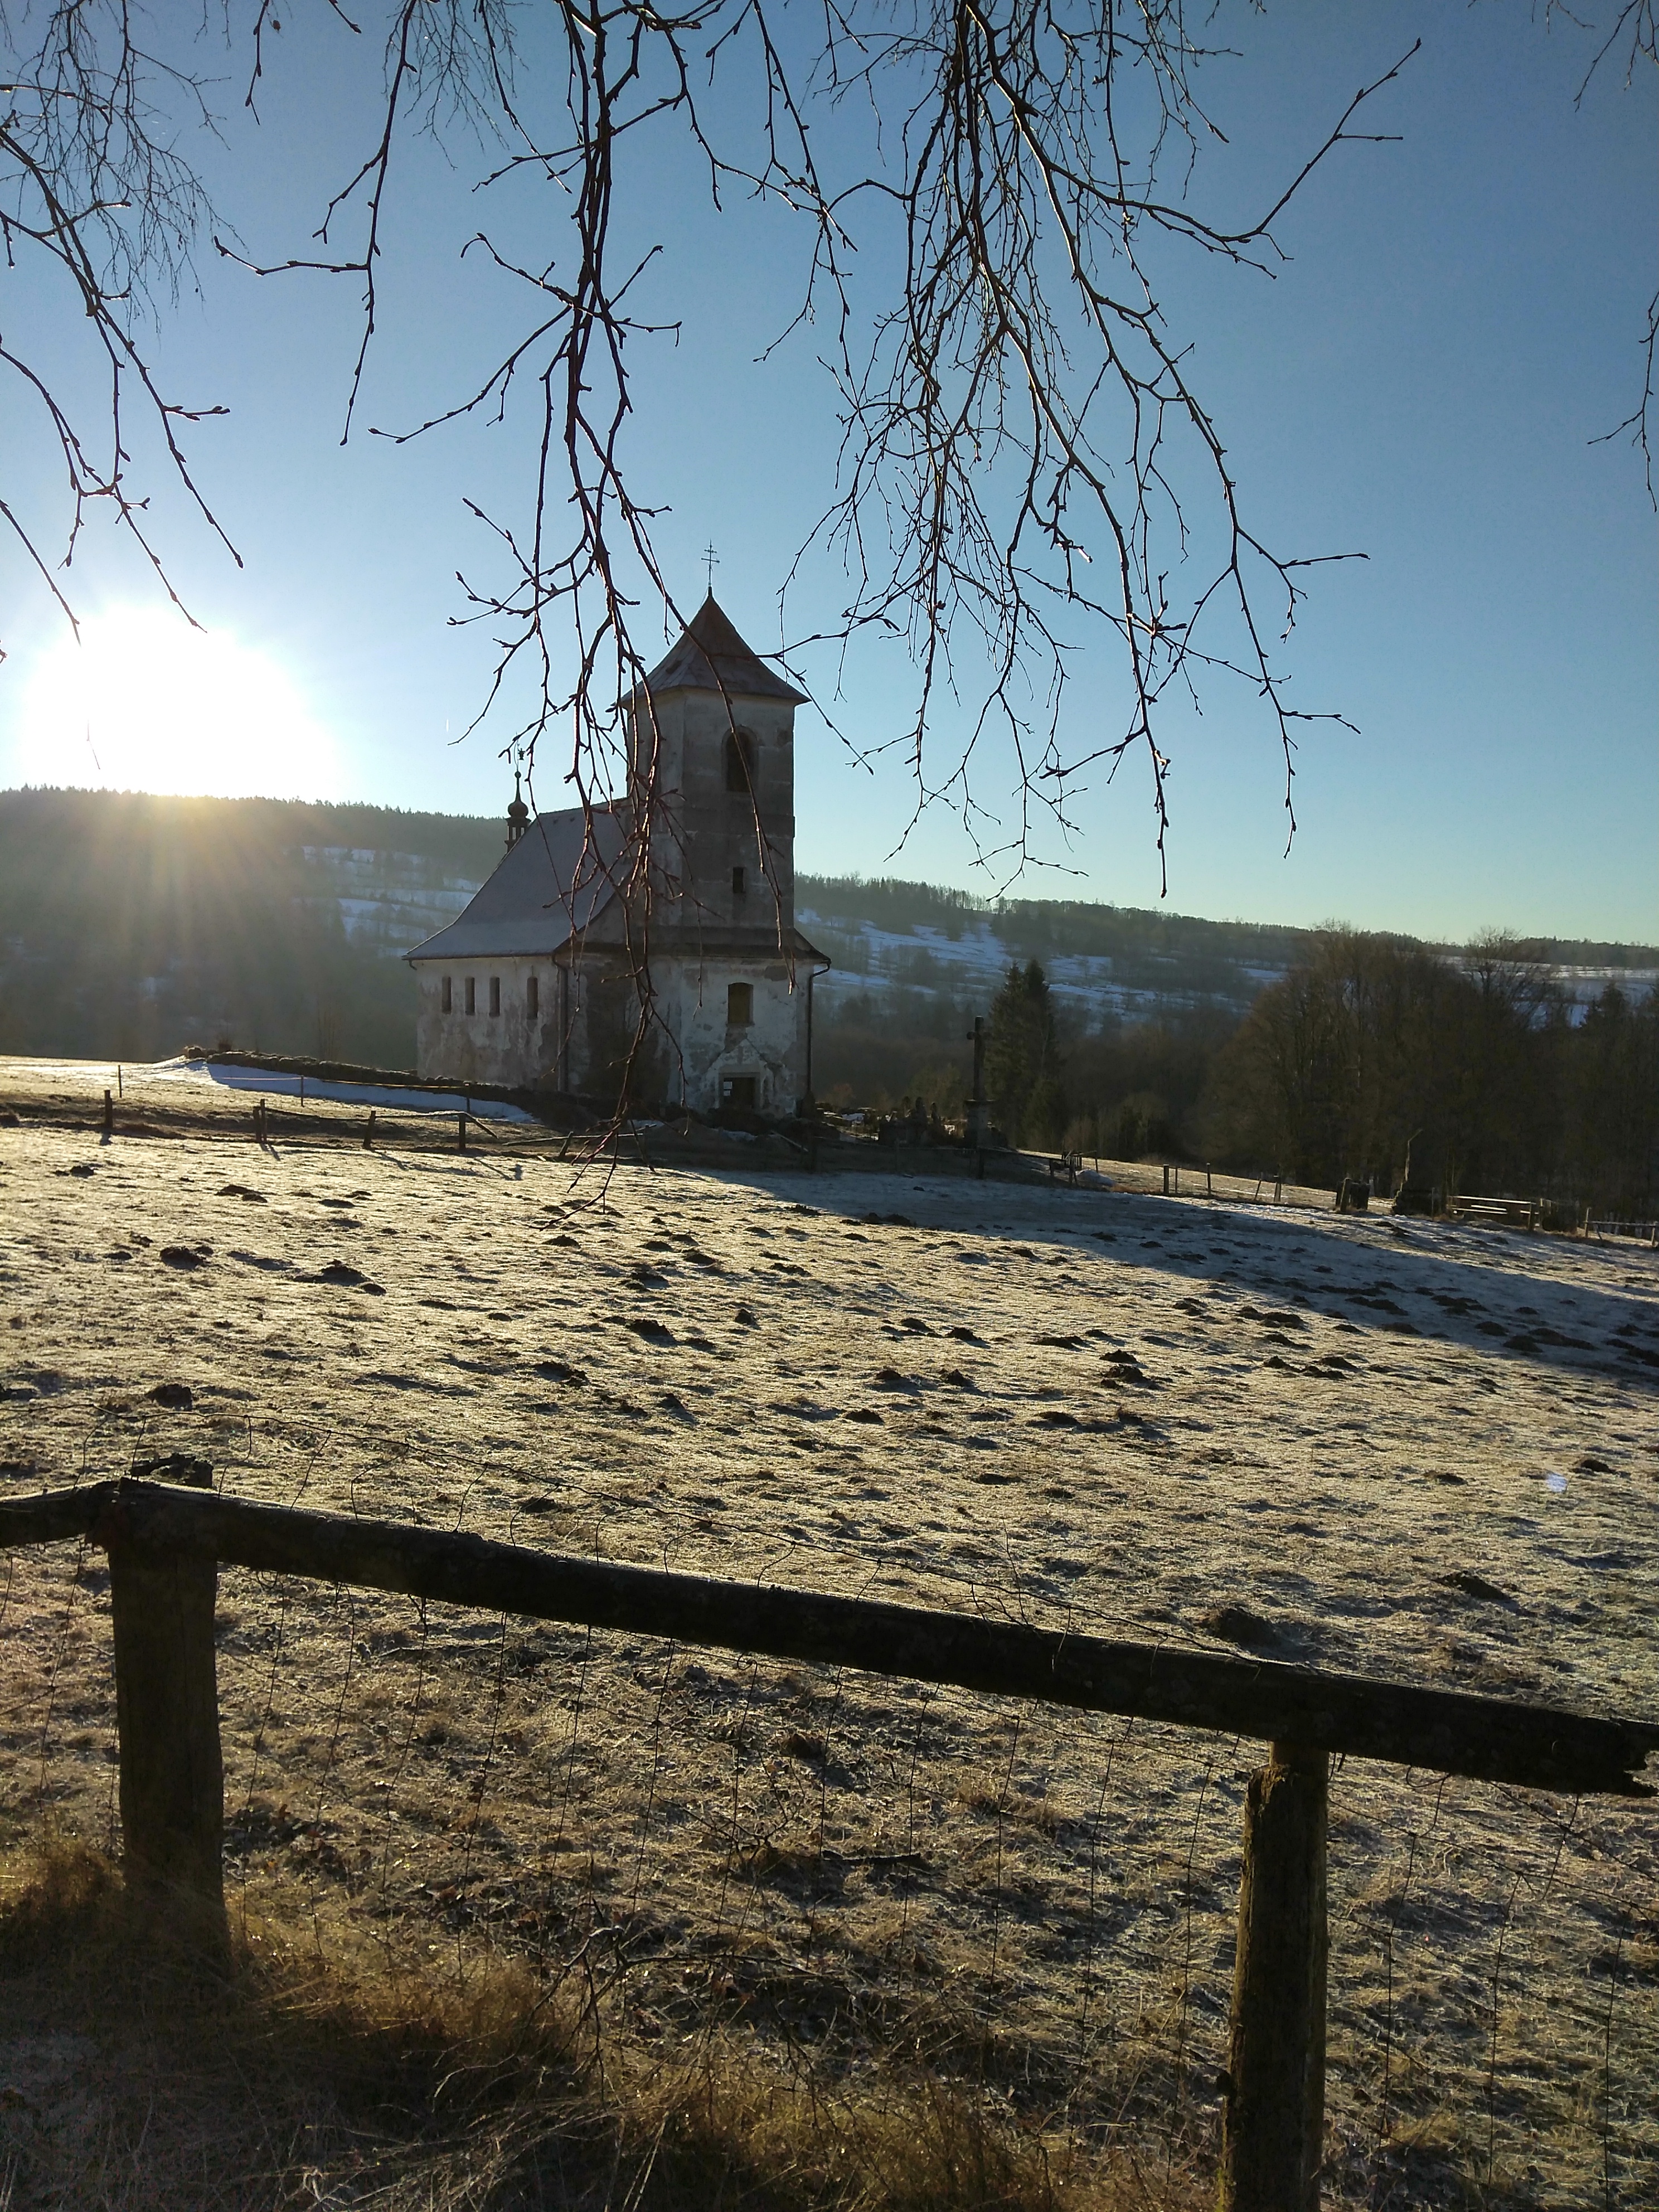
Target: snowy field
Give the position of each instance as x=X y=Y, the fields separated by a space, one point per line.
x=267 y=1083
x=1397 y=1448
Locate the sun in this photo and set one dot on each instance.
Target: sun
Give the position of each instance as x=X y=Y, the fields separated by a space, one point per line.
x=142 y=701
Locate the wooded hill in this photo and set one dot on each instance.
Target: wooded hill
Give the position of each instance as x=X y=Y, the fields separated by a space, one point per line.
x=132 y=926
x=1045 y=929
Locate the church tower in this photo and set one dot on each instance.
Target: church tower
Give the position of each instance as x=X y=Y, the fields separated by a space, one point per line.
x=713 y=750
x=713 y=738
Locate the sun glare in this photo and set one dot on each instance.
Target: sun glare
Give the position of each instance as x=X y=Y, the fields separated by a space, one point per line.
x=144 y=702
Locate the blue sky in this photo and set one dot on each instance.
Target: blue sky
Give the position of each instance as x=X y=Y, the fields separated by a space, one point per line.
x=1458 y=318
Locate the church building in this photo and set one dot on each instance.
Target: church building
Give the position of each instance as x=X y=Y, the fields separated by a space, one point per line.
x=540 y=983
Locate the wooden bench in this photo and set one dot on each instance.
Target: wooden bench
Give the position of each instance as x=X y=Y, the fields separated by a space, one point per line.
x=1496 y=1213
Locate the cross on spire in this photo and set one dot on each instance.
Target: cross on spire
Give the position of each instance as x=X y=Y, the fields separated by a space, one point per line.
x=711 y=561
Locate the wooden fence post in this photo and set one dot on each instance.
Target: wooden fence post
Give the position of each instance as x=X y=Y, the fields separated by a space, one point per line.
x=1272 y=2135
x=166 y=1704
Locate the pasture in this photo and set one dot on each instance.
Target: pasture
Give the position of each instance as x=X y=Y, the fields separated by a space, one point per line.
x=877 y=1923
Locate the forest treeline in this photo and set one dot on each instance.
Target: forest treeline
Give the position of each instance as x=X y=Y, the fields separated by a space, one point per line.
x=1374 y=1058
x=132 y=926
x=1046 y=929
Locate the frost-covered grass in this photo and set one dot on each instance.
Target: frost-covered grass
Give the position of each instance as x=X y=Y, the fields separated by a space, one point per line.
x=1114 y=1409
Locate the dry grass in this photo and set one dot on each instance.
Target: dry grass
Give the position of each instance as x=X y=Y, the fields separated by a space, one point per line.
x=139 y=2074
x=819 y=1935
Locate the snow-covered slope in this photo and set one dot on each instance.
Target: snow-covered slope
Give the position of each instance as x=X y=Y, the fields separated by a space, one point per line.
x=386 y=900
x=1137 y=984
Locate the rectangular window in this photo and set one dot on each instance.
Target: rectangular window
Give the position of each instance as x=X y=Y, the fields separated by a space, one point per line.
x=533 y=996
x=739 y=1090
x=739 y=883
x=495 y=994
x=448 y=995
x=740 y=1004
x=472 y=994
x=740 y=762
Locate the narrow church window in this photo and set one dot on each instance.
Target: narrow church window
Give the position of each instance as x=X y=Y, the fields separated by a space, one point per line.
x=448 y=995
x=739 y=883
x=740 y=762
x=740 y=1004
x=495 y=994
x=472 y=994
x=533 y=996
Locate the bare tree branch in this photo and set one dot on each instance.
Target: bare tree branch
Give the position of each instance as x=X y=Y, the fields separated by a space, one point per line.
x=1028 y=469
x=1632 y=39
x=1022 y=391
x=95 y=198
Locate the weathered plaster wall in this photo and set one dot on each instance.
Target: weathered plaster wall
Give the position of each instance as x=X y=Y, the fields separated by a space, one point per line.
x=704 y=831
x=772 y=1049
x=508 y=1048
x=692 y=997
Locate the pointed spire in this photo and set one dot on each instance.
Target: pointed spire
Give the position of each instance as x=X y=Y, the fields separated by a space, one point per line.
x=710 y=656
x=518 y=814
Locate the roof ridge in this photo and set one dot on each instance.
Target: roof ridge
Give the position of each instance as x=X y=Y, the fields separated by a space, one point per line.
x=544 y=891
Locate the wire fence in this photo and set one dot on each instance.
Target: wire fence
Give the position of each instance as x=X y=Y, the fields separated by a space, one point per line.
x=832 y=1870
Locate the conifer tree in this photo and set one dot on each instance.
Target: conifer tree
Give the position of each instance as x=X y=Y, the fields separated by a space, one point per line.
x=1023 y=1064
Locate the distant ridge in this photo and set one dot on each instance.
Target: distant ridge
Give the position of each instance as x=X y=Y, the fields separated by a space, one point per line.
x=468 y=846
x=1081 y=926
x=133 y=925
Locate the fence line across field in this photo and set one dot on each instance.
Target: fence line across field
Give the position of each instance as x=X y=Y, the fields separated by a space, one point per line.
x=166 y=1544
x=390 y=1124
x=299 y=1122
x=287 y=1122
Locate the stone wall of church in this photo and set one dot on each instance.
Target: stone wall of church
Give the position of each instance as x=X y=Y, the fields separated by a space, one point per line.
x=724 y=860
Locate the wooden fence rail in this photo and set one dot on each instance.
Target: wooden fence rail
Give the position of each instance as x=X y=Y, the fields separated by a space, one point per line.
x=167 y=1543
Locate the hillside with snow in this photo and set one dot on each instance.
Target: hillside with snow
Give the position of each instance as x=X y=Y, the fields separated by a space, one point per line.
x=132 y=926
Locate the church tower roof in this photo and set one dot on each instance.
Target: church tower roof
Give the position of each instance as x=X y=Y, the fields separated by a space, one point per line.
x=710 y=656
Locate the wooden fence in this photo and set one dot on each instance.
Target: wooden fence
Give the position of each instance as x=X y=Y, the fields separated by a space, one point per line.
x=166 y=1544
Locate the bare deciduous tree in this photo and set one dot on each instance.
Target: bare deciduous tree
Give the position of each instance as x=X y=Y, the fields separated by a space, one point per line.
x=1025 y=459
x=95 y=193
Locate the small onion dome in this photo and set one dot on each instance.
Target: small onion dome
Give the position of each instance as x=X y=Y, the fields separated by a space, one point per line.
x=518 y=815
